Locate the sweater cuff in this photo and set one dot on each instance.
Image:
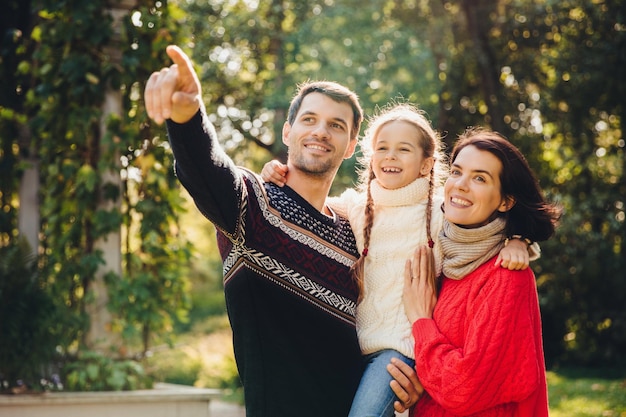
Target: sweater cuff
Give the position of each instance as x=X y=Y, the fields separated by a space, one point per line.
x=534 y=251
x=424 y=330
x=192 y=127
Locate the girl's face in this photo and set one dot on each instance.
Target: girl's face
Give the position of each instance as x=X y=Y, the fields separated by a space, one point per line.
x=472 y=191
x=398 y=158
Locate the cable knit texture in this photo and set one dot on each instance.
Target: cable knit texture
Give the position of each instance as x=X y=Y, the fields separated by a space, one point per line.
x=399 y=227
x=467 y=249
x=482 y=354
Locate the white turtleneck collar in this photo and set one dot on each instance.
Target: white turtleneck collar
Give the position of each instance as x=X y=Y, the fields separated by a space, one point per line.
x=410 y=194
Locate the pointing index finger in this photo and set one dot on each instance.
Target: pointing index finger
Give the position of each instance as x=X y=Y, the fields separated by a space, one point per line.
x=180 y=58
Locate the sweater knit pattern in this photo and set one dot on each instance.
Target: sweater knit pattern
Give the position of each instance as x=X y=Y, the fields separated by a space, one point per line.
x=467 y=249
x=240 y=255
x=481 y=355
x=399 y=228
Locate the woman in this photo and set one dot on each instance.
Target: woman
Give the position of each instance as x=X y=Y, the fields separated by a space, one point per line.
x=478 y=346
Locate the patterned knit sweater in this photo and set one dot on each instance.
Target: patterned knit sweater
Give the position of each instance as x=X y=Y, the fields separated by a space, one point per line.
x=289 y=296
x=482 y=354
x=399 y=227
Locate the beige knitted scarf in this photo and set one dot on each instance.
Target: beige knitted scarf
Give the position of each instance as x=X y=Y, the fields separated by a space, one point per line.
x=464 y=250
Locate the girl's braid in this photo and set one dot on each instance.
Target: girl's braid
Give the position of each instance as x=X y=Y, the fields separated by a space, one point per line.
x=429 y=207
x=435 y=281
x=359 y=265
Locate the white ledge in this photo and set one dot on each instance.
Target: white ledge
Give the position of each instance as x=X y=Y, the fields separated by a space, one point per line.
x=165 y=400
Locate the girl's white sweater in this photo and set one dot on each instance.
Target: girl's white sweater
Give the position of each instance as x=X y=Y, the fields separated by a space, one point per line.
x=399 y=227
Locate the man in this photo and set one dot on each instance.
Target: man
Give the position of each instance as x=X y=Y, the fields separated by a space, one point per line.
x=286 y=255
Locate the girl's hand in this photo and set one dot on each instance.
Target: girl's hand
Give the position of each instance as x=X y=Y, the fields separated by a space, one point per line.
x=514 y=255
x=419 y=295
x=275 y=172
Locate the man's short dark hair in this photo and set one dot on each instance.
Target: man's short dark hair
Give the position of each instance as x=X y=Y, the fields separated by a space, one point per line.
x=336 y=92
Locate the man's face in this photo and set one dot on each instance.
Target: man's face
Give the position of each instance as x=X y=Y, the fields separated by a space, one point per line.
x=319 y=139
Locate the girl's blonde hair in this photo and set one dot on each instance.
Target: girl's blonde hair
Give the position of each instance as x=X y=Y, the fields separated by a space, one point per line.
x=431 y=144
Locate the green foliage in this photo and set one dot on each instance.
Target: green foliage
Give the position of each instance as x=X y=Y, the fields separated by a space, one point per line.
x=27 y=327
x=207 y=300
x=71 y=77
x=12 y=51
x=222 y=374
x=583 y=163
x=175 y=367
x=203 y=357
x=95 y=372
x=68 y=64
x=73 y=216
x=153 y=297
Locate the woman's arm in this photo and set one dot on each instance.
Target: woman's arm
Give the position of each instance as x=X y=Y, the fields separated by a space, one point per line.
x=495 y=359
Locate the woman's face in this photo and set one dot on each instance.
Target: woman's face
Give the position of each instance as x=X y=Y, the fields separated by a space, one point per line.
x=473 y=191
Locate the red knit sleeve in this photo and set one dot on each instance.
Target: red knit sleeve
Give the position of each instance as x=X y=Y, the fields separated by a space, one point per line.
x=480 y=351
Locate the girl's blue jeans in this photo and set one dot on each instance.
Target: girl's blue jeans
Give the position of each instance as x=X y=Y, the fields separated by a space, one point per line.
x=374 y=397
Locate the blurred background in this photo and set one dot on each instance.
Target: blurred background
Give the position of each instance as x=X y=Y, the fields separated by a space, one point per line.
x=105 y=262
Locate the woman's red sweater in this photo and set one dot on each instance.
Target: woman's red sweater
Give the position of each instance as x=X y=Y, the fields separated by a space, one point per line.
x=482 y=353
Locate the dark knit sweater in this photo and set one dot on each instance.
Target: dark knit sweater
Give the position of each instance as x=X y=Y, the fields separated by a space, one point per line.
x=289 y=296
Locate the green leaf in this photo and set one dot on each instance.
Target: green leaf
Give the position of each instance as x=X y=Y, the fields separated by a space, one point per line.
x=93 y=371
x=87 y=177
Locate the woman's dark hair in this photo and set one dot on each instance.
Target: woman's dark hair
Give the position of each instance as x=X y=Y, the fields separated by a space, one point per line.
x=336 y=92
x=531 y=216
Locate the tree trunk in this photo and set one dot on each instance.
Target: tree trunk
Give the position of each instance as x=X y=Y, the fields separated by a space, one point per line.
x=100 y=336
x=477 y=11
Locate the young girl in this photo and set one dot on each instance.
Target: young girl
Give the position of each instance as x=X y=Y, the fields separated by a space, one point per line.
x=478 y=347
x=396 y=209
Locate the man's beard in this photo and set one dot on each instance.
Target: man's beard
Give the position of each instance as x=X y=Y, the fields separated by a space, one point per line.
x=312 y=167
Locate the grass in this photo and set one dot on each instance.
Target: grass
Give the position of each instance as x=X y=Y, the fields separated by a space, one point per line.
x=587 y=393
